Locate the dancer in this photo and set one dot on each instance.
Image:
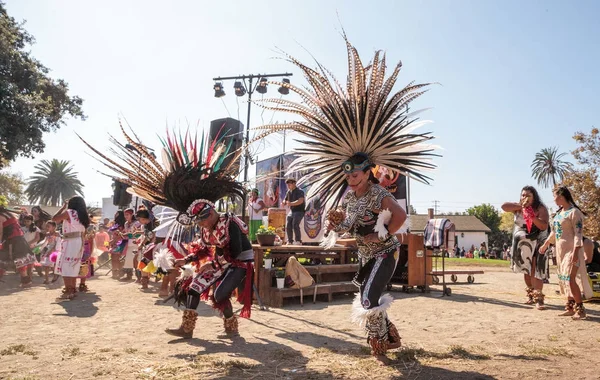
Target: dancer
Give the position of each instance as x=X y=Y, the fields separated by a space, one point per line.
x=86 y=270
x=14 y=249
x=40 y=217
x=255 y=213
x=50 y=250
x=117 y=244
x=530 y=231
x=349 y=130
x=567 y=237
x=146 y=245
x=75 y=220
x=195 y=176
x=132 y=231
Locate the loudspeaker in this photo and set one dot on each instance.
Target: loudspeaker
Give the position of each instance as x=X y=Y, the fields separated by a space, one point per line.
x=121 y=197
x=228 y=129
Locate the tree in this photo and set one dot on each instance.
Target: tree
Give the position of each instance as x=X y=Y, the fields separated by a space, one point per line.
x=412 y=210
x=31 y=102
x=487 y=214
x=507 y=222
x=583 y=185
x=547 y=167
x=491 y=218
x=11 y=186
x=53 y=183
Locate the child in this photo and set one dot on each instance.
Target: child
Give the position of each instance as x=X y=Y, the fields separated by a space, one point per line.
x=87 y=259
x=49 y=250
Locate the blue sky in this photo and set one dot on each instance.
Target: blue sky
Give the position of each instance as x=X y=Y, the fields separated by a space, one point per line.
x=515 y=76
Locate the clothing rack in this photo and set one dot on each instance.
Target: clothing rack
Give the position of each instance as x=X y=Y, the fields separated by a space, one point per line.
x=438 y=237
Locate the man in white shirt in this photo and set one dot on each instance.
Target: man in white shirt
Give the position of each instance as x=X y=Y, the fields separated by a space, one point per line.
x=255 y=213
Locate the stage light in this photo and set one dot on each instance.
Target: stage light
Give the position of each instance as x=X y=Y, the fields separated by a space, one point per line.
x=284 y=90
x=219 y=93
x=240 y=90
x=262 y=86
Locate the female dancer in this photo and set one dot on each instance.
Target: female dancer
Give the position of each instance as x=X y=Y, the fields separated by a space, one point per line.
x=13 y=247
x=567 y=237
x=531 y=230
x=349 y=129
x=117 y=244
x=361 y=208
x=75 y=220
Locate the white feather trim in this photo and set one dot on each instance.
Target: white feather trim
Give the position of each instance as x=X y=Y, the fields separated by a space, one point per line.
x=330 y=240
x=164 y=259
x=384 y=218
x=187 y=271
x=360 y=315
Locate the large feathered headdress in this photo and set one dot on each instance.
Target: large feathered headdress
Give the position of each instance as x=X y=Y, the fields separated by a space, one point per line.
x=362 y=117
x=190 y=179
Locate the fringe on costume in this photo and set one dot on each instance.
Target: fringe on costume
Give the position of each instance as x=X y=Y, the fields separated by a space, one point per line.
x=361 y=315
x=330 y=240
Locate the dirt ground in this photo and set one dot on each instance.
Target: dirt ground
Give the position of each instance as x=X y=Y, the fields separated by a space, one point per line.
x=116 y=332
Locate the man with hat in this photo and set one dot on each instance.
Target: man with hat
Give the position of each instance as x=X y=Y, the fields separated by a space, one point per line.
x=294 y=199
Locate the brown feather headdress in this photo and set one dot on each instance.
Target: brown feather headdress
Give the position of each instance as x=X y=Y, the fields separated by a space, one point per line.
x=362 y=117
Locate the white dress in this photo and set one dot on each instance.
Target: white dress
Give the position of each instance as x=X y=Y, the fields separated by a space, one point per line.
x=69 y=260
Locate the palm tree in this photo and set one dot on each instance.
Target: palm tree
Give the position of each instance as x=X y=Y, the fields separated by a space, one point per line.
x=53 y=183
x=547 y=166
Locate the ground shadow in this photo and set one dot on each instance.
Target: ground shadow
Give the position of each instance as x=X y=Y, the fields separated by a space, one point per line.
x=82 y=306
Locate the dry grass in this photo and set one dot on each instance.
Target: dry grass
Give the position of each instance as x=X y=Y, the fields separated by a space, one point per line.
x=19 y=349
x=546 y=351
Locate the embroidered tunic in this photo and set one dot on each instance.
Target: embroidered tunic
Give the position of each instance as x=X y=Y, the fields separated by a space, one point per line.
x=361 y=218
x=567 y=236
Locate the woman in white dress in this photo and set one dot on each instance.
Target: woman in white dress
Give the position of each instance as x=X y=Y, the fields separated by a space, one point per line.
x=75 y=220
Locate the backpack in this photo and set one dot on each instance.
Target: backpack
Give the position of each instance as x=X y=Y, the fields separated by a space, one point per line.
x=296 y=276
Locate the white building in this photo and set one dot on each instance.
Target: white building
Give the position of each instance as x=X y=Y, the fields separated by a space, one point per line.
x=469 y=229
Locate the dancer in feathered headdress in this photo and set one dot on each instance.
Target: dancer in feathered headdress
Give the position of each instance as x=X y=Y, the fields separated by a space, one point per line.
x=347 y=132
x=192 y=179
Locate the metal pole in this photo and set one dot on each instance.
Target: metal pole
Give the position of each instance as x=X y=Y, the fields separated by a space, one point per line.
x=247 y=154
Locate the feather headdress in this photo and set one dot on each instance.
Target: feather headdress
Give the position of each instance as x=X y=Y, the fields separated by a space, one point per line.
x=190 y=179
x=362 y=117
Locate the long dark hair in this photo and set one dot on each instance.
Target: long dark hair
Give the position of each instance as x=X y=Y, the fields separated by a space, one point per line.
x=564 y=191
x=358 y=159
x=537 y=201
x=78 y=205
x=32 y=226
x=120 y=218
x=43 y=215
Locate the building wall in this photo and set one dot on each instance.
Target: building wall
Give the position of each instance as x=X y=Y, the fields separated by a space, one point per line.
x=109 y=210
x=471 y=238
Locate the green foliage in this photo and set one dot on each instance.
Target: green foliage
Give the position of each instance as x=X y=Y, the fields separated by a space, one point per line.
x=507 y=222
x=547 y=167
x=11 y=186
x=487 y=214
x=53 y=183
x=412 y=210
x=491 y=218
x=31 y=102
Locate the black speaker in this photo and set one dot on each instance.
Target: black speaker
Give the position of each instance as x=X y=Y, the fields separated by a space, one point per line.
x=120 y=195
x=229 y=130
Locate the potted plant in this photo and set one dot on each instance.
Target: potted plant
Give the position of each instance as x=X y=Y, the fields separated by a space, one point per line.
x=266 y=236
x=280 y=277
x=267 y=258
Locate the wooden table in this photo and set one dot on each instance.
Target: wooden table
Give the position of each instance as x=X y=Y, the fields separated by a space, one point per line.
x=262 y=277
